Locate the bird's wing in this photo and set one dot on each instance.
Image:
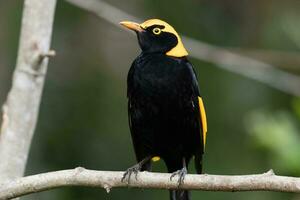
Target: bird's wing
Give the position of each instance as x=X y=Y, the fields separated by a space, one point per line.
x=132 y=113
x=198 y=101
x=140 y=148
x=200 y=114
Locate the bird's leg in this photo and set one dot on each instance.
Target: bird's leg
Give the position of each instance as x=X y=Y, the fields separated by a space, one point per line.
x=134 y=169
x=181 y=173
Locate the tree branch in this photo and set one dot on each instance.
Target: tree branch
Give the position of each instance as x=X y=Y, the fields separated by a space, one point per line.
x=108 y=180
x=286 y=60
x=22 y=104
x=222 y=58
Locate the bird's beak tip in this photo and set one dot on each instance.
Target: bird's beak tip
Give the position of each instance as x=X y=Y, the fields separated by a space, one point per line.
x=122 y=22
x=131 y=25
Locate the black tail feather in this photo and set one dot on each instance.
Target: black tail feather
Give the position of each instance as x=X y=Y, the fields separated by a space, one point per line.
x=179 y=195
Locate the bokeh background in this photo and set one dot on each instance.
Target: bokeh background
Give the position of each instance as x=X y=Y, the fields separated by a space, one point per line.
x=83 y=117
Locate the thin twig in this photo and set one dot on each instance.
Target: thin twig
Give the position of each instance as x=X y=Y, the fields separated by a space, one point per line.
x=50 y=53
x=222 y=58
x=108 y=180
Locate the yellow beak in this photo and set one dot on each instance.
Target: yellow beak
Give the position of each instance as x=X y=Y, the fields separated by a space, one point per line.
x=132 y=26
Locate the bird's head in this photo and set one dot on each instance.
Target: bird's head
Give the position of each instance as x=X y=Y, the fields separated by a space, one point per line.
x=157 y=36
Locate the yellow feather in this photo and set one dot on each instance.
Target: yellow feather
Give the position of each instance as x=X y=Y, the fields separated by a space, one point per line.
x=155 y=158
x=203 y=119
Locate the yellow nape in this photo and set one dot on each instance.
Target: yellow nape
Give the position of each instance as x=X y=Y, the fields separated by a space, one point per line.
x=203 y=120
x=179 y=50
x=155 y=158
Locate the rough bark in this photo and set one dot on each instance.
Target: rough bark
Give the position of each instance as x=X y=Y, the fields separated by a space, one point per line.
x=20 y=110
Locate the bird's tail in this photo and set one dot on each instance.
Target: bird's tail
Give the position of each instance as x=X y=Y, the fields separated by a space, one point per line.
x=179 y=195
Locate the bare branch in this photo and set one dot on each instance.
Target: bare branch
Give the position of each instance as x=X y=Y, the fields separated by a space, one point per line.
x=286 y=60
x=248 y=67
x=108 y=180
x=22 y=104
x=222 y=58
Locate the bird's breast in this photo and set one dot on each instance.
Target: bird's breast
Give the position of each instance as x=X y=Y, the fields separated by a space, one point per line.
x=158 y=76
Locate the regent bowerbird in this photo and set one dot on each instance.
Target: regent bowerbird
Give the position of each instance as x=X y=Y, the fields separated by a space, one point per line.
x=165 y=109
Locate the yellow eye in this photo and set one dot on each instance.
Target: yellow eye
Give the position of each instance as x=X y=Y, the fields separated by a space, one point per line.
x=156 y=31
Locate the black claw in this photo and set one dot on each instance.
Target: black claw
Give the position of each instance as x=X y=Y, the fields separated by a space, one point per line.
x=181 y=174
x=132 y=170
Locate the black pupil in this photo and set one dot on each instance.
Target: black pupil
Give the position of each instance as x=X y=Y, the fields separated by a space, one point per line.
x=156 y=30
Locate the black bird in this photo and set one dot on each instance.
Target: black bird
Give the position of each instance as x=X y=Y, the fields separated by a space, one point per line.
x=166 y=113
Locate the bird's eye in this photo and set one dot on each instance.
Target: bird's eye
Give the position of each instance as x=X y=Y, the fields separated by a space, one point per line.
x=156 y=31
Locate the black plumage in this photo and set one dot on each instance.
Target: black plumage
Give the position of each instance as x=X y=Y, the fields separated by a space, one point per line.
x=163 y=104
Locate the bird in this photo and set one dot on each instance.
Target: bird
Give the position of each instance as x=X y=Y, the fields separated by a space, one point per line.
x=166 y=112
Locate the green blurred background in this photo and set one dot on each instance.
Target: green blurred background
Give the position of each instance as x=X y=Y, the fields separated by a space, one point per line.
x=83 y=115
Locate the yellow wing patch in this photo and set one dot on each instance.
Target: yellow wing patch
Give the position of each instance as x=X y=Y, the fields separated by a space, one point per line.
x=203 y=119
x=155 y=158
